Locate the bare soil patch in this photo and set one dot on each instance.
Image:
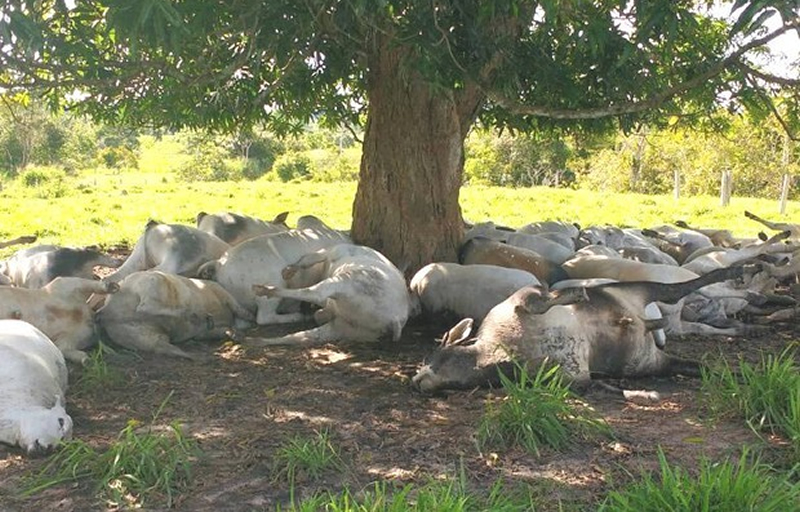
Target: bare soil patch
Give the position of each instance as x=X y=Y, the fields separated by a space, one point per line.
x=242 y=404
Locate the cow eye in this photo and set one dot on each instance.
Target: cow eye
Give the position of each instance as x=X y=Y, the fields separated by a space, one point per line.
x=61 y=422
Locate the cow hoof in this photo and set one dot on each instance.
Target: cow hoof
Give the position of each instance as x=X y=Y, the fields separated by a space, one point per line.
x=288 y=272
x=111 y=287
x=262 y=290
x=234 y=335
x=638 y=395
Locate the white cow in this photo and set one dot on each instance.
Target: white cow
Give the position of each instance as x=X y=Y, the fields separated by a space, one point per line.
x=467 y=291
x=171 y=248
x=260 y=260
x=32 y=388
x=363 y=296
x=153 y=309
x=36 y=266
x=60 y=310
x=234 y=228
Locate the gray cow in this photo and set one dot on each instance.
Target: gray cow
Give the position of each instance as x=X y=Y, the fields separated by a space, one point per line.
x=588 y=331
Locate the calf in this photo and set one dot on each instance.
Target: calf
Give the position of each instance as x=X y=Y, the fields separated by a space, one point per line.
x=465 y=290
x=153 y=309
x=234 y=228
x=171 y=248
x=59 y=310
x=37 y=266
x=587 y=331
x=32 y=388
x=363 y=296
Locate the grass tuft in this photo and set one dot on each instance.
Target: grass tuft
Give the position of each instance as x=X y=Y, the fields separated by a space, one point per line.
x=307 y=456
x=538 y=411
x=726 y=486
x=767 y=395
x=96 y=375
x=437 y=496
x=140 y=464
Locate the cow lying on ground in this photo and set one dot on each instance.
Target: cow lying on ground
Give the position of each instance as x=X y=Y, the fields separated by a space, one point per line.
x=153 y=309
x=479 y=250
x=465 y=290
x=59 y=310
x=261 y=260
x=731 y=300
x=363 y=296
x=171 y=248
x=234 y=228
x=587 y=331
x=36 y=266
x=32 y=388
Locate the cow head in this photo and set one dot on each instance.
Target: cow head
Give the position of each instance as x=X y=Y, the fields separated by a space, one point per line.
x=41 y=429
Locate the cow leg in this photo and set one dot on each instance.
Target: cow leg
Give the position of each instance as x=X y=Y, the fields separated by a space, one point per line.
x=317 y=294
x=312 y=337
x=145 y=339
x=267 y=313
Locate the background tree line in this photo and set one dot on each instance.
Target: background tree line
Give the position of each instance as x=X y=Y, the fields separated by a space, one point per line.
x=757 y=151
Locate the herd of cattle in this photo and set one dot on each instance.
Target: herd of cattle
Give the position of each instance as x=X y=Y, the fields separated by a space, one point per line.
x=598 y=301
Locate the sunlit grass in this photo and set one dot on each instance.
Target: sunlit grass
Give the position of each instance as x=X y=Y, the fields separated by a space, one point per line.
x=108 y=207
x=766 y=395
x=745 y=486
x=538 y=411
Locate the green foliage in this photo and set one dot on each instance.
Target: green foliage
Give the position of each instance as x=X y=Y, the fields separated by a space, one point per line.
x=292 y=166
x=742 y=486
x=48 y=182
x=518 y=161
x=767 y=395
x=537 y=411
x=436 y=496
x=141 y=464
x=307 y=456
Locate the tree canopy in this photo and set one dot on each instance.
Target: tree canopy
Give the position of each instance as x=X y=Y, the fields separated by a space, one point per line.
x=415 y=72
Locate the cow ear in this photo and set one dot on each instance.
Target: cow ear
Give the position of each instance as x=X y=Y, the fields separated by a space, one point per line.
x=200 y=217
x=280 y=218
x=458 y=334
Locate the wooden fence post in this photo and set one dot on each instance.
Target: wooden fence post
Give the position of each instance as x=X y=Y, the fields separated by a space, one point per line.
x=676 y=179
x=787 y=182
x=726 y=186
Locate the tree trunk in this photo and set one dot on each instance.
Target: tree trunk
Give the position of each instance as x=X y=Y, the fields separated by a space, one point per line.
x=406 y=205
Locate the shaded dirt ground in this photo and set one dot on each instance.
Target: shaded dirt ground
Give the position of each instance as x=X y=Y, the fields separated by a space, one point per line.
x=242 y=404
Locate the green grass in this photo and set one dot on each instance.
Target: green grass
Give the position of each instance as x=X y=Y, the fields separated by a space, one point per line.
x=538 y=411
x=766 y=395
x=107 y=208
x=97 y=375
x=723 y=487
x=436 y=496
x=140 y=466
x=310 y=457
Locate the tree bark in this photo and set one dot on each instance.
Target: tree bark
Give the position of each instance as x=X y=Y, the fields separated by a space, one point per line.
x=406 y=205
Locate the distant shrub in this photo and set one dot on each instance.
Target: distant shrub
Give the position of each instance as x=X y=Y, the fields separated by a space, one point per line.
x=38 y=176
x=119 y=157
x=209 y=166
x=291 y=166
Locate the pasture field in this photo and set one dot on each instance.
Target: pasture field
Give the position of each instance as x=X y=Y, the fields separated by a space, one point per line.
x=280 y=428
x=109 y=209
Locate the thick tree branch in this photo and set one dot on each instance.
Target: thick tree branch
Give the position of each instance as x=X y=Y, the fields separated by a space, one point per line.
x=633 y=107
x=768 y=77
